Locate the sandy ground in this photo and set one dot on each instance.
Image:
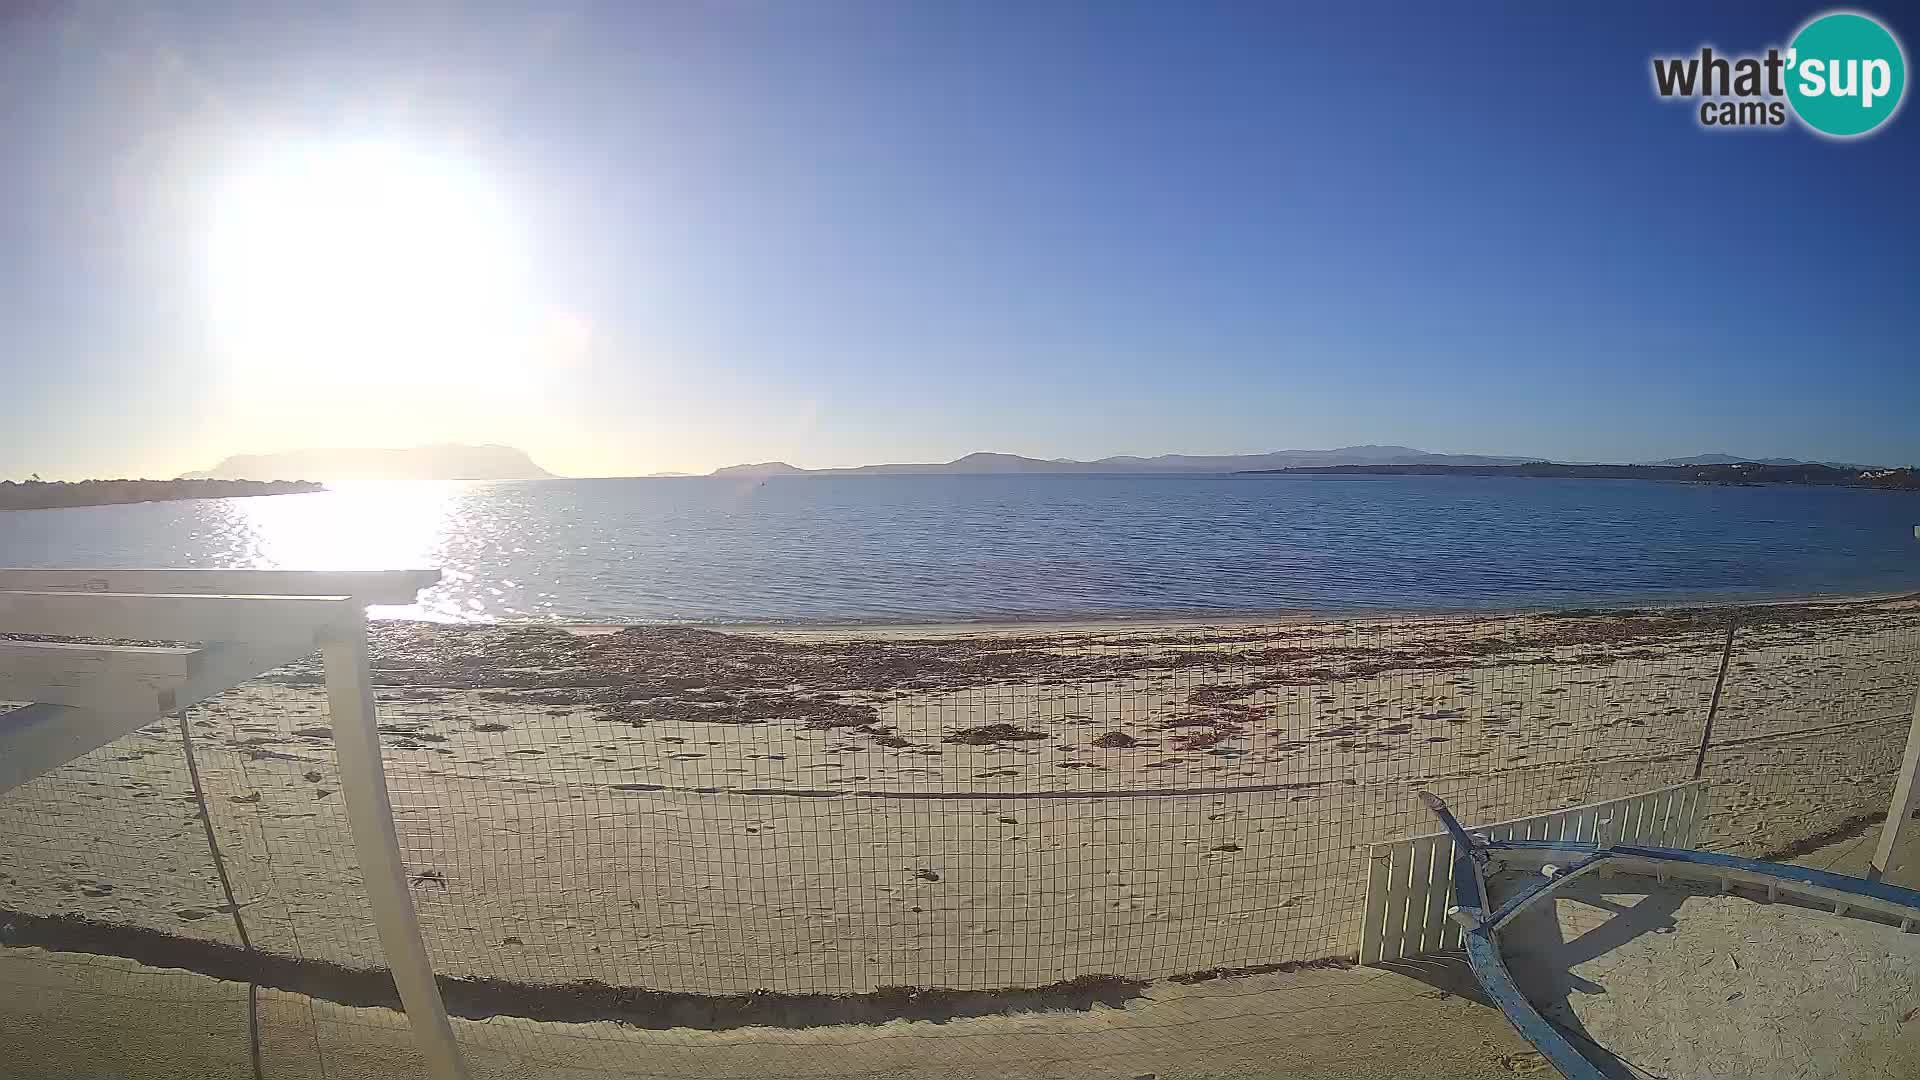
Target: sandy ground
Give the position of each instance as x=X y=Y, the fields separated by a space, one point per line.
x=820 y=812
x=64 y=1015
x=1682 y=981
x=1696 y=984
x=105 y=1017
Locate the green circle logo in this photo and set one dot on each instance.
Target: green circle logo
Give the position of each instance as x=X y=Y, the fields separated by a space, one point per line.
x=1845 y=74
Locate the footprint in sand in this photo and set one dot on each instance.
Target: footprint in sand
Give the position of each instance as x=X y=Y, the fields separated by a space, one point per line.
x=1525 y=1063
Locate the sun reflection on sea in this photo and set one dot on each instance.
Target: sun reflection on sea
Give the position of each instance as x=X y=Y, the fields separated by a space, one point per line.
x=378 y=526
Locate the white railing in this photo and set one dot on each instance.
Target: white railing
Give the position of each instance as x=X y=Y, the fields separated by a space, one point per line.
x=242 y=623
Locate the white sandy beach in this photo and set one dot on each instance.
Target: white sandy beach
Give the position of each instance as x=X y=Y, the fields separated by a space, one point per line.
x=830 y=812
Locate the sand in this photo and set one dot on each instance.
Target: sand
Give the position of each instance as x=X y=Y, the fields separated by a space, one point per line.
x=168 y=1024
x=839 y=811
x=1681 y=981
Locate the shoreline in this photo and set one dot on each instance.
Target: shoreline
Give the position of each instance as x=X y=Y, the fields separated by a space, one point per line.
x=1047 y=625
x=90 y=494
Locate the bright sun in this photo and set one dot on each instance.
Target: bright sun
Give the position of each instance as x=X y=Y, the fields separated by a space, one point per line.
x=365 y=262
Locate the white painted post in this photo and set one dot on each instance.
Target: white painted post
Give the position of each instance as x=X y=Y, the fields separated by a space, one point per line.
x=356 y=739
x=1905 y=790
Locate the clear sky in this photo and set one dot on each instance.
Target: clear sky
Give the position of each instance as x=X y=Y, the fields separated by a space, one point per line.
x=659 y=236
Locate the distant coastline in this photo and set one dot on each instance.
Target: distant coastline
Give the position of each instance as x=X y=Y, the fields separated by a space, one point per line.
x=442 y=461
x=1741 y=475
x=1371 y=456
x=53 y=495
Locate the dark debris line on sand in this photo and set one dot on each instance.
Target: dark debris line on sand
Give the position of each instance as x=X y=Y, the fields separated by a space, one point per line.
x=684 y=673
x=991 y=734
x=573 y=1002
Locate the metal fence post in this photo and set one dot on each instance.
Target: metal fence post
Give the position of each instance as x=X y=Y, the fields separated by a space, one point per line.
x=1720 y=681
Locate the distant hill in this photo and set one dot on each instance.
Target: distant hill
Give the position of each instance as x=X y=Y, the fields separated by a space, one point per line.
x=1346 y=455
x=446 y=461
x=1730 y=459
x=47 y=495
x=764 y=468
x=1738 y=474
x=989 y=464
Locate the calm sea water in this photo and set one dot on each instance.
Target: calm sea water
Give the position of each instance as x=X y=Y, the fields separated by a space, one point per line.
x=988 y=547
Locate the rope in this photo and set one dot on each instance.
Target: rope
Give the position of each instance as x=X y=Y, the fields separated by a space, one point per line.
x=226 y=886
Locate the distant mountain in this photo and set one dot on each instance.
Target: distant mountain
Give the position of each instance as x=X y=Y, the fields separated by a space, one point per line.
x=446 y=461
x=987 y=464
x=1738 y=474
x=1730 y=459
x=1281 y=459
x=764 y=468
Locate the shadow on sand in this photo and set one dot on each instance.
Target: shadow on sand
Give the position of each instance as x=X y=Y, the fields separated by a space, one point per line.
x=571 y=1002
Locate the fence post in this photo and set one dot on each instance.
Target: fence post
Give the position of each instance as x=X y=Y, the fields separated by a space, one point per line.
x=1904 y=797
x=356 y=740
x=1706 y=731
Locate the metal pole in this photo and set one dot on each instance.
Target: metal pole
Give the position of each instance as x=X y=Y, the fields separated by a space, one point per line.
x=356 y=740
x=1706 y=732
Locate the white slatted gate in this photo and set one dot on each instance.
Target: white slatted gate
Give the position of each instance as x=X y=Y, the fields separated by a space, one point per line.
x=1410 y=882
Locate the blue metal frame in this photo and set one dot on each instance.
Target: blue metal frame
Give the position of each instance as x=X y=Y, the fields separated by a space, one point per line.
x=1480 y=928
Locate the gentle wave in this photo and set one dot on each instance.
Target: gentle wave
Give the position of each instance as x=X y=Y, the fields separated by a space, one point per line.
x=967 y=548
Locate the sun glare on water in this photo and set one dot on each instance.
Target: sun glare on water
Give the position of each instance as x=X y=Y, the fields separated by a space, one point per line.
x=365 y=262
x=372 y=526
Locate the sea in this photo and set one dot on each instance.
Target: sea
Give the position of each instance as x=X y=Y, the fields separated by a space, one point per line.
x=923 y=549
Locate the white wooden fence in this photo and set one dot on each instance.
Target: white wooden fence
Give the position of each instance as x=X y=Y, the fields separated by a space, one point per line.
x=1410 y=881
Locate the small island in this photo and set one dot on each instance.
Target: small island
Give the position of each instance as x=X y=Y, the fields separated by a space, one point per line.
x=51 y=494
x=1738 y=474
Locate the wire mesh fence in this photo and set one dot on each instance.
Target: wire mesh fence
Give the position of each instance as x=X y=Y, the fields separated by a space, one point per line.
x=678 y=827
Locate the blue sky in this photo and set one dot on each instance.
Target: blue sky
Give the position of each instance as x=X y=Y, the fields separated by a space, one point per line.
x=836 y=233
